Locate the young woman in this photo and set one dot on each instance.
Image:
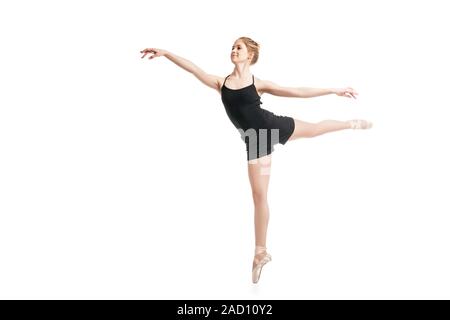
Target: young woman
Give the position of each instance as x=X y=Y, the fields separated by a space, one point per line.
x=260 y=129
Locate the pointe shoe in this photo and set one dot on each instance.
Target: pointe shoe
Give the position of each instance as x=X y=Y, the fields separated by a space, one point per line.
x=360 y=124
x=256 y=271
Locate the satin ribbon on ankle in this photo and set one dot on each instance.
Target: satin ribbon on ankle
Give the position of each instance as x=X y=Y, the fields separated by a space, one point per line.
x=260 y=249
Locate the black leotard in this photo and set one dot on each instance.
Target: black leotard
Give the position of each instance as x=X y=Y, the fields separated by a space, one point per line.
x=259 y=127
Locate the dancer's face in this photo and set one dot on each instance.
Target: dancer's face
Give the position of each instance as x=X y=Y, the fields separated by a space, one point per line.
x=239 y=52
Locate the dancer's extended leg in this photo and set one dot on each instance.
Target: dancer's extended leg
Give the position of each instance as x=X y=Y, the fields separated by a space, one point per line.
x=305 y=129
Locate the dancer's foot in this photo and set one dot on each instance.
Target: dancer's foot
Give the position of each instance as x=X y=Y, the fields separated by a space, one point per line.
x=261 y=258
x=360 y=124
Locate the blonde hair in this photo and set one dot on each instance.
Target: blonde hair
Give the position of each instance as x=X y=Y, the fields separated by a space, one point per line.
x=252 y=47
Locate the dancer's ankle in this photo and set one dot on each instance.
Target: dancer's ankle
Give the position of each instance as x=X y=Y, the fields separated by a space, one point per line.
x=260 y=249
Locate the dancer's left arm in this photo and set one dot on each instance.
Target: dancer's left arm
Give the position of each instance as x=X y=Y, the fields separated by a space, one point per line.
x=304 y=92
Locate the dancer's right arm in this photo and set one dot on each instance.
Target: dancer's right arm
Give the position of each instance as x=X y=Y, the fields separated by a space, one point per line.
x=208 y=79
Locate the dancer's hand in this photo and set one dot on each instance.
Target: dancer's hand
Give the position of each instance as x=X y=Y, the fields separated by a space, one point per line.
x=156 y=52
x=346 y=92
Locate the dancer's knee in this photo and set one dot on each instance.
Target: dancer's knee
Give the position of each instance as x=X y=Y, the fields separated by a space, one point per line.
x=259 y=197
x=312 y=130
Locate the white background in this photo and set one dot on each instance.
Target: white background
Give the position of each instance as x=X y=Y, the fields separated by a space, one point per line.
x=123 y=178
